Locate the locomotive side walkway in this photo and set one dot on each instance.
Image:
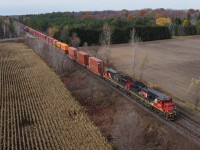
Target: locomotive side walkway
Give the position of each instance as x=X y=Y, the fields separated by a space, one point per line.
x=36 y=110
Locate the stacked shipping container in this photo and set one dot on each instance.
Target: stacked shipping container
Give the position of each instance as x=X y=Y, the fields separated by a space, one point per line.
x=58 y=44
x=82 y=58
x=72 y=52
x=64 y=47
x=96 y=65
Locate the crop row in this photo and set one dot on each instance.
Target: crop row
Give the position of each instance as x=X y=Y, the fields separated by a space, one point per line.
x=36 y=111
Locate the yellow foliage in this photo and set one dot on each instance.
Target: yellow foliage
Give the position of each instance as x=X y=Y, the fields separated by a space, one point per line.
x=186 y=22
x=163 y=21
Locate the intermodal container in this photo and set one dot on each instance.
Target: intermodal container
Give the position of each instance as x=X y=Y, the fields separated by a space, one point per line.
x=50 y=40
x=82 y=58
x=58 y=44
x=64 y=47
x=54 y=41
x=47 y=38
x=96 y=65
x=43 y=36
x=72 y=52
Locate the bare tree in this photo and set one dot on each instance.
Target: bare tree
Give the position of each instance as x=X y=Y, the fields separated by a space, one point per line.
x=95 y=50
x=134 y=44
x=105 y=40
x=195 y=90
x=75 y=40
x=17 y=28
x=129 y=132
x=143 y=65
x=85 y=46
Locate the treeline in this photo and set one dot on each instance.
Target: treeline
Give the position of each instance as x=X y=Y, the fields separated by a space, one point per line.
x=91 y=36
x=6 y=27
x=180 y=30
x=64 y=26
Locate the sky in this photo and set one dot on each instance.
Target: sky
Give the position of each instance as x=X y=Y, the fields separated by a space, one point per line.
x=20 y=7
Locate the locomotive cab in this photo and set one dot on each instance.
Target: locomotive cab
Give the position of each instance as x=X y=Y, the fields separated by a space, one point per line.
x=170 y=109
x=160 y=101
x=110 y=73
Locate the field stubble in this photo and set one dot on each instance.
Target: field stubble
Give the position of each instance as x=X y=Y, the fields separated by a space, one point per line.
x=36 y=110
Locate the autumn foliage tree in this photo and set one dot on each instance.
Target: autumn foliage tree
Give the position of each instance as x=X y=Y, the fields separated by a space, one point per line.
x=130 y=17
x=85 y=15
x=163 y=21
x=142 y=12
x=185 y=22
x=159 y=15
x=191 y=11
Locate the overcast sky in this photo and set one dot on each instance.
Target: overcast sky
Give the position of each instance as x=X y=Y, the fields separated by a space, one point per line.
x=18 y=7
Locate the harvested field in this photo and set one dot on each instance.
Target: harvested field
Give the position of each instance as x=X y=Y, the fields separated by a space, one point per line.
x=36 y=110
x=172 y=63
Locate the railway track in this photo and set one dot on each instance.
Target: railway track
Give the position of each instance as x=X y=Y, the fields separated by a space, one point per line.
x=189 y=125
x=184 y=124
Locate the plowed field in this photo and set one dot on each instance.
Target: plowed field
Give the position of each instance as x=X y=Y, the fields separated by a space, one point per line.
x=36 y=111
x=172 y=63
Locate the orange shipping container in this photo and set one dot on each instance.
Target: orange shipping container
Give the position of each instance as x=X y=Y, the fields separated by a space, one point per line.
x=82 y=58
x=64 y=47
x=58 y=44
x=96 y=65
x=72 y=52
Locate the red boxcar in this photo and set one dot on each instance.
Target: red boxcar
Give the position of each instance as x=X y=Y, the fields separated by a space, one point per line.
x=72 y=52
x=96 y=65
x=50 y=40
x=38 y=34
x=82 y=58
x=54 y=41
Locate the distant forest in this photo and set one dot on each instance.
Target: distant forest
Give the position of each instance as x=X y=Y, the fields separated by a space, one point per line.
x=149 y=24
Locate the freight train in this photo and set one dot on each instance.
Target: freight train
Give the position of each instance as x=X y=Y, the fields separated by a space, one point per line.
x=151 y=98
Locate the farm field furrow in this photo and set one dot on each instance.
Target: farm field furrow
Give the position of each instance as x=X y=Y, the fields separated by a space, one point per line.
x=36 y=110
x=171 y=63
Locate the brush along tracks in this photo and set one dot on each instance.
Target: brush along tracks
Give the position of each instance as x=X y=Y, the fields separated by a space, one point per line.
x=189 y=125
x=184 y=124
x=36 y=111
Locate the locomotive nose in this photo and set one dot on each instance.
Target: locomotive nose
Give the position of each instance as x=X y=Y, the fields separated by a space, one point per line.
x=169 y=106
